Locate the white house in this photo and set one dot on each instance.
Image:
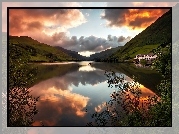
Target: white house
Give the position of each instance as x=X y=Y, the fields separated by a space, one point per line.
x=147 y=57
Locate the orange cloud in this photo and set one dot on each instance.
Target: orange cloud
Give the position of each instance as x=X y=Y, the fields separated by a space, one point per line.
x=132 y=18
x=59 y=103
x=27 y=20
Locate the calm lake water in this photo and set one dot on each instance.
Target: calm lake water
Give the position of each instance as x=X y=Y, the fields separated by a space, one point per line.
x=71 y=92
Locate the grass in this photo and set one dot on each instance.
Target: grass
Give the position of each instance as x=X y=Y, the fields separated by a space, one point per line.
x=39 y=58
x=39 y=51
x=142 y=50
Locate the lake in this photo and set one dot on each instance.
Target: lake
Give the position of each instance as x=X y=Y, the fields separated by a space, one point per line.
x=71 y=92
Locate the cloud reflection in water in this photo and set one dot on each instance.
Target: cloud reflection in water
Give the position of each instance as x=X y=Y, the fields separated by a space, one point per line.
x=56 y=103
x=59 y=105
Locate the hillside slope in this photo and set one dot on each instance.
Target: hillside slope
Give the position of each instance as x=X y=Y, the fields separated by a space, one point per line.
x=102 y=55
x=72 y=54
x=156 y=34
x=38 y=52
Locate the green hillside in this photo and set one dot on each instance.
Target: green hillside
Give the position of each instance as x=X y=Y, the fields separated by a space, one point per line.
x=38 y=52
x=73 y=54
x=156 y=34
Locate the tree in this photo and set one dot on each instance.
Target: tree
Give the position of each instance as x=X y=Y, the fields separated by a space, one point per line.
x=21 y=105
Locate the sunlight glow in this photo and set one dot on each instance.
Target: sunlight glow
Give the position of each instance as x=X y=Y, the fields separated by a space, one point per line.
x=87 y=68
x=86 y=53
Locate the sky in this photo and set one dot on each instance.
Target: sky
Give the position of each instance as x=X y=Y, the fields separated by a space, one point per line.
x=86 y=31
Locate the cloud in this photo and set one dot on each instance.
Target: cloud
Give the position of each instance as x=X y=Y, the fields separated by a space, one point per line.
x=34 y=25
x=21 y=20
x=83 y=44
x=51 y=26
x=92 y=43
x=122 y=38
x=132 y=18
x=58 y=36
x=110 y=38
x=32 y=4
x=118 y=39
x=96 y=44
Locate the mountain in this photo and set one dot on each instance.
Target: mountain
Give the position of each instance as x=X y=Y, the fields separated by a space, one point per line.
x=101 y=56
x=38 y=52
x=96 y=57
x=156 y=34
x=72 y=54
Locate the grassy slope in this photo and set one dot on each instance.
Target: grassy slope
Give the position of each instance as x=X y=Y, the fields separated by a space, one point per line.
x=72 y=53
x=157 y=33
x=39 y=51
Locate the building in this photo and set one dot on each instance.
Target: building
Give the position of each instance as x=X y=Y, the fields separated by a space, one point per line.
x=148 y=57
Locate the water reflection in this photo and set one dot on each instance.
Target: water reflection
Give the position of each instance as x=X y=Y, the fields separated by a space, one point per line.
x=87 y=68
x=146 y=76
x=145 y=92
x=60 y=107
x=70 y=99
x=63 y=100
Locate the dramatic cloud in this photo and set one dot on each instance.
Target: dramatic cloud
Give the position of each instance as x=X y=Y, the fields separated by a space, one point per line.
x=132 y=18
x=27 y=20
x=91 y=43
